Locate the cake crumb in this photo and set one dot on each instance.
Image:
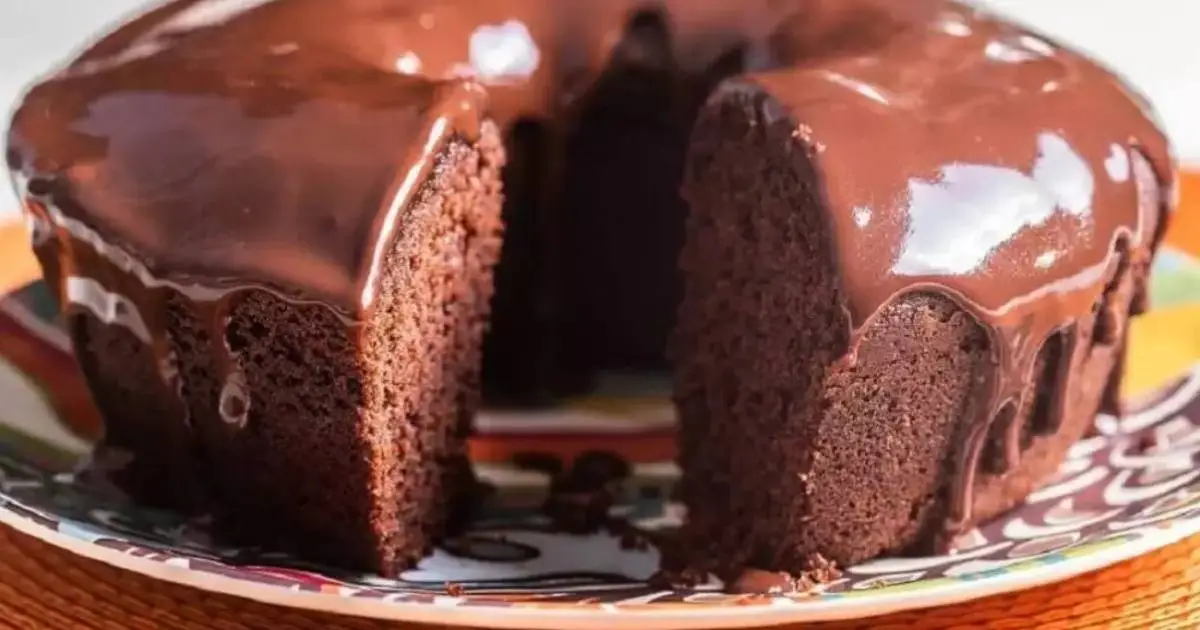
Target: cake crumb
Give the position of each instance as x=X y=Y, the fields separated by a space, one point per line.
x=677 y=579
x=820 y=569
x=581 y=495
x=454 y=590
x=758 y=581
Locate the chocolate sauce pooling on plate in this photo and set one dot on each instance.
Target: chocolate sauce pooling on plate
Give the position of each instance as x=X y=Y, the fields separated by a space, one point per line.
x=210 y=146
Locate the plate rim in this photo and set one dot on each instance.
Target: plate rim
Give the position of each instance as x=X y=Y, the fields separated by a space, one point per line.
x=445 y=610
x=607 y=617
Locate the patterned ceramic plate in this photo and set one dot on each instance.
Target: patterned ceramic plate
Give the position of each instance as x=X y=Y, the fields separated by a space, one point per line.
x=1133 y=487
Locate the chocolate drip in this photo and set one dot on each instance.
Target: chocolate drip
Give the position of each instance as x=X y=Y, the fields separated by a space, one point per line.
x=1051 y=383
x=994 y=458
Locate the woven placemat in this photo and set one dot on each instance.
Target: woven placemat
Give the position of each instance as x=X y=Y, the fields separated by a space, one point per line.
x=45 y=587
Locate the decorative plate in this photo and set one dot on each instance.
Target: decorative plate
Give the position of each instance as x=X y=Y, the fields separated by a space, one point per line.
x=1131 y=488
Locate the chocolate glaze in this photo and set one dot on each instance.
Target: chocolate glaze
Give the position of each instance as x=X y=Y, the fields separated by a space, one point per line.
x=221 y=146
x=294 y=124
x=962 y=155
x=277 y=179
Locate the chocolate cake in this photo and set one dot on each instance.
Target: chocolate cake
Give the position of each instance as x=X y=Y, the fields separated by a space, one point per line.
x=908 y=269
x=273 y=227
x=279 y=324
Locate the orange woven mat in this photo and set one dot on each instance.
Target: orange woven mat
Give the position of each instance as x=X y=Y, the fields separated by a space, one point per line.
x=44 y=587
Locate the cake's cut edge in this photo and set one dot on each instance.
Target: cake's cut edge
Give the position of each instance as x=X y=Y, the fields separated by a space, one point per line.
x=759 y=323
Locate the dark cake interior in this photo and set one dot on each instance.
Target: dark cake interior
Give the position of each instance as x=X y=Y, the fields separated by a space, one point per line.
x=589 y=282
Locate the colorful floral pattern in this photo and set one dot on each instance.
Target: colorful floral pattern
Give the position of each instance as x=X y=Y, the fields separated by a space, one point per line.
x=1132 y=487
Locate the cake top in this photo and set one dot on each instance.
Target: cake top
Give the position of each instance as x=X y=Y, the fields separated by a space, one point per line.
x=226 y=142
x=232 y=142
x=215 y=149
x=962 y=155
x=960 y=150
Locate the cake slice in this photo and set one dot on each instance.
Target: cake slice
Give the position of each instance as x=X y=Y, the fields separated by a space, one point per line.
x=907 y=272
x=276 y=276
